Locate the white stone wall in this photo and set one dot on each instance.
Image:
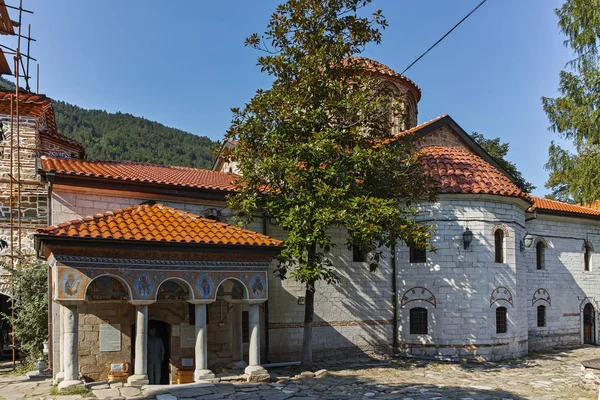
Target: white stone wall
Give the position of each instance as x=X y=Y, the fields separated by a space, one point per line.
x=569 y=286
x=461 y=315
x=353 y=315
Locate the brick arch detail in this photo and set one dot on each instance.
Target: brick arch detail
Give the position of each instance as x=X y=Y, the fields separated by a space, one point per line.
x=418 y=293
x=541 y=294
x=501 y=293
x=501 y=227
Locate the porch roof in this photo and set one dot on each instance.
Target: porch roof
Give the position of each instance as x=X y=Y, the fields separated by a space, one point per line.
x=155 y=222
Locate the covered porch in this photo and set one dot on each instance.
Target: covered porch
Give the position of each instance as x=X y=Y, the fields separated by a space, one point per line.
x=194 y=283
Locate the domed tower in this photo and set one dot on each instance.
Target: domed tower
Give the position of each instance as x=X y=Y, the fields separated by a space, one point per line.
x=408 y=92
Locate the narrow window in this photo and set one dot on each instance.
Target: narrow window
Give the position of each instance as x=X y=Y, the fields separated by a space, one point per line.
x=501 y=320
x=417 y=255
x=541 y=316
x=358 y=255
x=540 y=250
x=499 y=245
x=418 y=321
x=587 y=257
x=245 y=327
x=192 y=314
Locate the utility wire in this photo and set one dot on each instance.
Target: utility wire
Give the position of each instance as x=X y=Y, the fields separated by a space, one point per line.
x=444 y=37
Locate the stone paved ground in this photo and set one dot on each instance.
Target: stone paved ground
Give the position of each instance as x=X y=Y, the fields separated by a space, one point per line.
x=549 y=375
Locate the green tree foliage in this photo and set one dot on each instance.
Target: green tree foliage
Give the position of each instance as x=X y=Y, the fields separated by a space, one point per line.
x=310 y=147
x=30 y=284
x=124 y=137
x=499 y=151
x=575 y=115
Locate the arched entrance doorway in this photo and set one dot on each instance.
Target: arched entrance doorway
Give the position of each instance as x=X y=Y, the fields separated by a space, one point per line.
x=589 y=317
x=163 y=332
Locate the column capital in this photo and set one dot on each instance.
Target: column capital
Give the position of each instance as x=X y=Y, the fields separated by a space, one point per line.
x=201 y=301
x=141 y=302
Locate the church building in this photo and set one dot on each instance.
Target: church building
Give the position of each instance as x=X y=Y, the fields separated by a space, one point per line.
x=132 y=247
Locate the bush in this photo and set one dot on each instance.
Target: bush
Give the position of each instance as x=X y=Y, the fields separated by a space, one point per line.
x=30 y=284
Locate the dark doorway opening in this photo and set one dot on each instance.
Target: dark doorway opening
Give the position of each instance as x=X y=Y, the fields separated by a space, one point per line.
x=5 y=326
x=163 y=331
x=589 y=318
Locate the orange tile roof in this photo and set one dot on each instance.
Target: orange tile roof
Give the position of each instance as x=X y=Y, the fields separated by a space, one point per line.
x=383 y=70
x=141 y=172
x=159 y=223
x=459 y=171
x=540 y=203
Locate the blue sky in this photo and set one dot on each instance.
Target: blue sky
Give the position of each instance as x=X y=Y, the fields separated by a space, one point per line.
x=183 y=63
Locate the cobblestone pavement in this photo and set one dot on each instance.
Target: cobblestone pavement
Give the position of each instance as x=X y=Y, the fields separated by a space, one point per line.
x=549 y=375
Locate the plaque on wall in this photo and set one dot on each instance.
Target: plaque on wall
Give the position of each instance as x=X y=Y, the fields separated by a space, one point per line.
x=188 y=336
x=187 y=362
x=110 y=337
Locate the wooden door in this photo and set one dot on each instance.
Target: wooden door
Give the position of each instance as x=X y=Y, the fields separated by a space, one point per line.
x=588 y=324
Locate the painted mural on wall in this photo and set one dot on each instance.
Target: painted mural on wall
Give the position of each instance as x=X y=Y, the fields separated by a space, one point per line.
x=152 y=284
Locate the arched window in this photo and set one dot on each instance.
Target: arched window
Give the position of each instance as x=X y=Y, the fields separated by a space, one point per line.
x=540 y=252
x=418 y=321
x=501 y=320
x=587 y=257
x=499 y=245
x=541 y=316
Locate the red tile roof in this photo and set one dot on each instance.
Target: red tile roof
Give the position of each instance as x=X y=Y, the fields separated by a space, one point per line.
x=459 y=171
x=383 y=70
x=540 y=203
x=140 y=172
x=159 y=223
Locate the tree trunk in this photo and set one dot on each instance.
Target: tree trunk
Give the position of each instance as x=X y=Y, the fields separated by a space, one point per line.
x=309 y=311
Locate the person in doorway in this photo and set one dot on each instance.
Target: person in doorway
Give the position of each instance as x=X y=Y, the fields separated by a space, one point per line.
x=156 y=356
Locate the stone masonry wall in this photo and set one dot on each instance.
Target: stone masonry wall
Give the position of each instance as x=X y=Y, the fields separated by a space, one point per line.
x=456 y=285
x=563 y=280
x=33 y=199
x=353 y=316
x=441 y=137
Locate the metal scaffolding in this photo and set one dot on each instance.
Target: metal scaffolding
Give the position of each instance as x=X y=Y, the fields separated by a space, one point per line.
x=11 y=32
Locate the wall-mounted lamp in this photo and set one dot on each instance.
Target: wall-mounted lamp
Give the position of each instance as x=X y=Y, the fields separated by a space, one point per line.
x=467 y=238
x=525 y=242
x=528 y=240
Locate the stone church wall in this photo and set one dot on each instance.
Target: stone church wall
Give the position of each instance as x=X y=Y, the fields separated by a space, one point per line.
x=461 y=289
x=563 y=279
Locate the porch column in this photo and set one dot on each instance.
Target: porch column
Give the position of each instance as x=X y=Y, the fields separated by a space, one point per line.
x=60 y=376
x=70 y=346
x=254 y=370
x=201 y=372
x=140 y=368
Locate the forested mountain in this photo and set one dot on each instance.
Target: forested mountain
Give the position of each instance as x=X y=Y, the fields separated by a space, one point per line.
x=124 y=137
x=119 y=136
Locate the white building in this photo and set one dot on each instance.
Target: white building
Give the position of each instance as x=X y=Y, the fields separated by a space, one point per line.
x=133 y=246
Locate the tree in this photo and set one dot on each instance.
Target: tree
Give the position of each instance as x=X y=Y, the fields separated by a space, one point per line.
x=313 y=148
x=30 y=321
x=499 y=151
x=575 y=115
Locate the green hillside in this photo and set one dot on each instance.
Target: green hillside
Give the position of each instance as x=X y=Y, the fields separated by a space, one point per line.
x=124 y=137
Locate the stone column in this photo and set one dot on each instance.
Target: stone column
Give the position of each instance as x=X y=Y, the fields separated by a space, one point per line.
x=60 y=376
x=201 y=372
x=254 y=370
x=70 y=346
x=140 y=369
x=237 y=345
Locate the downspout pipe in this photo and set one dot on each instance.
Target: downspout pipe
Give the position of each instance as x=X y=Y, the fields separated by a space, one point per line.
x=394 y=297
x=266 y=305
x=50 y=179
